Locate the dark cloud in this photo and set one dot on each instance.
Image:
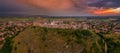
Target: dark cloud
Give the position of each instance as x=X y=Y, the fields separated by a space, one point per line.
x=56 y=7
x=15 y=7
x=106 y=4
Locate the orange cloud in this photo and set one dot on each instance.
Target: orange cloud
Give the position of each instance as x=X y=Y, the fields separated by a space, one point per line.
x=109 y=11
x=49 y=4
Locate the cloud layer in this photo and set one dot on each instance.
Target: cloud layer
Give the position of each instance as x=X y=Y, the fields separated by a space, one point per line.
x=106 y=3
x=63 y=7
x=57 y=4
x=106 y=7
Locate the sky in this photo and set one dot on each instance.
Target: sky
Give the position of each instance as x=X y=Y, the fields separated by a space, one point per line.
x=61 y=7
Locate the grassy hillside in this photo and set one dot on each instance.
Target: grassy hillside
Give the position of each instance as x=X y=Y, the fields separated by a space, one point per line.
x=49 y=40
x=113 y=43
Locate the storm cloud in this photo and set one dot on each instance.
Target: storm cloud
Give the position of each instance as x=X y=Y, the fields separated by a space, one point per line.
x=59 y=7
x=106 y=4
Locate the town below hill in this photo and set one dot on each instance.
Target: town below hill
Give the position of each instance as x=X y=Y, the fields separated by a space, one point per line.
x=59 y=35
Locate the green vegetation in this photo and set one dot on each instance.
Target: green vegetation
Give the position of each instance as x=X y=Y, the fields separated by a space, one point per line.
x=7 y=47
x=113 y=42
x=55 y=40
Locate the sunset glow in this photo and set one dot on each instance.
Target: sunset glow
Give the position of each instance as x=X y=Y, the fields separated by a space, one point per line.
x=107 y=11
x=61 y=7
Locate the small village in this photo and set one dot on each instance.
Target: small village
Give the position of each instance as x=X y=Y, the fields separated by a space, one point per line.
x=96 y=26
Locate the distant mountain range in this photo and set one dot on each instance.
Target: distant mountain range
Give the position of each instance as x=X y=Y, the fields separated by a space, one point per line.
x=44 y=16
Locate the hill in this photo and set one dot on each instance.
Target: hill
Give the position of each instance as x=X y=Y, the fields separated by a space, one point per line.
x=51 y=40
